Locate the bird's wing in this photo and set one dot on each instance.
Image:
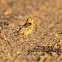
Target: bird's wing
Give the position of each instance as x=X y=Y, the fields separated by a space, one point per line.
x=27 y=25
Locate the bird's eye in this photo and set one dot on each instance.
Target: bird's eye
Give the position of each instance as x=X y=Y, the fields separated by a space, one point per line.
x=31 y=19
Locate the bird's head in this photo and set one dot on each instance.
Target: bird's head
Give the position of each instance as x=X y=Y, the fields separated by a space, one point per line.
x=30 y=20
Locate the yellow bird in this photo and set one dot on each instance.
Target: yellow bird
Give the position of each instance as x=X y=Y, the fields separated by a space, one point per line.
x=27 y=27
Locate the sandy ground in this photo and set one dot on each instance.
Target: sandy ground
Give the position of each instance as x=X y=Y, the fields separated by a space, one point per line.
x=44 y=43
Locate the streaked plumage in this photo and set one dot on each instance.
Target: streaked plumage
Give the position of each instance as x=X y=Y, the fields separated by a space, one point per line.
x=27 y=27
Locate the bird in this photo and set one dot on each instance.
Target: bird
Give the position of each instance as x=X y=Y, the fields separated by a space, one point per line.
x=27 y=27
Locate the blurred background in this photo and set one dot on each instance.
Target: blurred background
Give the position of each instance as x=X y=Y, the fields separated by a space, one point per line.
x=45 y=41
